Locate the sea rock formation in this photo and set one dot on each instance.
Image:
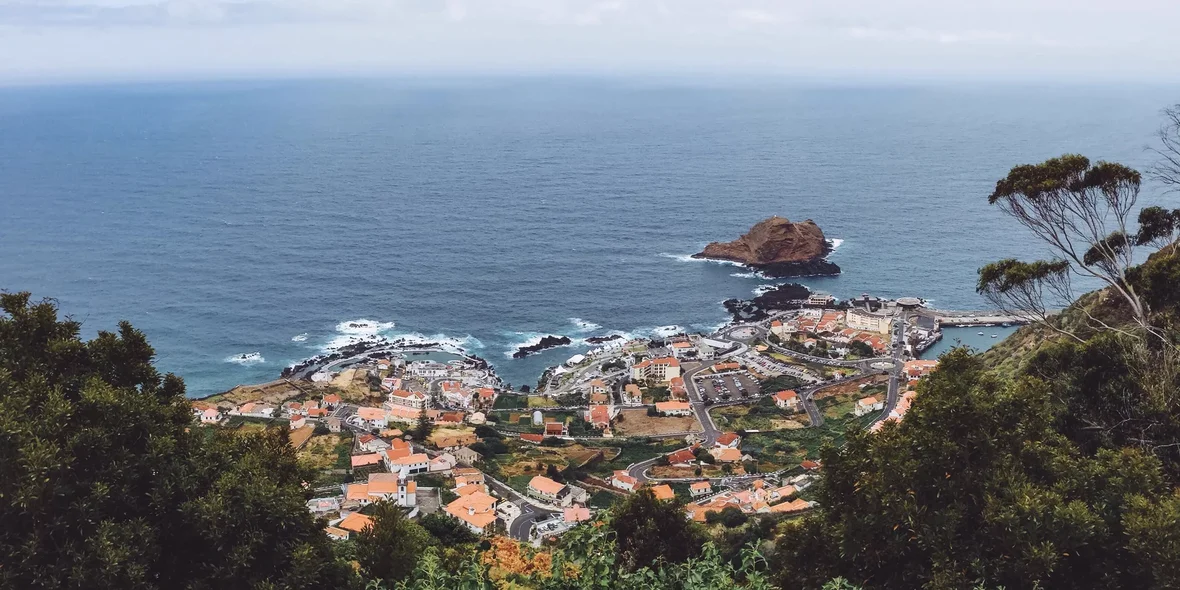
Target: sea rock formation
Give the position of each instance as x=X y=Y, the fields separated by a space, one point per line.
x=546 y=342
x=778 y=247
x=603 y=339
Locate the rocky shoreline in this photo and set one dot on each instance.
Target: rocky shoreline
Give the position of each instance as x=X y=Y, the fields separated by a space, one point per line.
x=546 y=343
x=781 y=297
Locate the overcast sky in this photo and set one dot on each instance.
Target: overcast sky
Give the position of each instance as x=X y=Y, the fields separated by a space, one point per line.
x=1086 y=40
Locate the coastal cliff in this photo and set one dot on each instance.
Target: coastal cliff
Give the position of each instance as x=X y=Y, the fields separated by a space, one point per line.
x=778 y=247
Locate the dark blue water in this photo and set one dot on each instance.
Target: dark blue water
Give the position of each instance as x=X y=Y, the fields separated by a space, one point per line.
x=229 y=218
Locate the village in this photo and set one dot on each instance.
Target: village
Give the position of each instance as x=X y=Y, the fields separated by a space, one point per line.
x=733 y=420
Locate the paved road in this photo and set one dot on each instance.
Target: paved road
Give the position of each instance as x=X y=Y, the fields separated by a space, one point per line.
x=521 y=526
x=896 y=373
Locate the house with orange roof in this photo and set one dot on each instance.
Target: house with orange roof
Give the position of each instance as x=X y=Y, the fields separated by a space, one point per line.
x=787 y=400
x=597 y=386
x=336 y=533
x=663 y=492
x=412 y=464
x=452 y=442
x=866 y=405
x=410 y=399
x=373 y=417
x=330 y=401
x=723 y=367
x=682 y=458
x=485 y=397
x=600 y=417
x=622 y=480
x=726 y=455
x=556 y=429
x=405 y=414
x=365 y=460
x=676 y=388
x=729 y=439
x=599 y=399
x=213 y=416
x=674 y=408
x=546 y=489
x=291 y=408
x=700 y=488
x=298 y=421
x=533 y=438
x=354 y=523
x=810 y=465
x=681 y=349
x=656 y=369
x=632 y=395
x=469 y=477
x=795 y=505
x=392 y=487
x=476 y=510
x=918 y=368
x=777 y=328
x=575 y=514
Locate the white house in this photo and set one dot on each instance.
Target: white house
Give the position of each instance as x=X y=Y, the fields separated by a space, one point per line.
x=427 y=369
x=623 y=481
x=786 y=400
x=416 y=463
x=410 y=399
x=632 y=395
x=867 y=405
x=210 y=416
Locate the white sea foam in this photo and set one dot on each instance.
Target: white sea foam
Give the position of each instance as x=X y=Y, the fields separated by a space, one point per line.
x=300 y=338
x=530 y=339
x=246 y=358
x=451 y=344
x=760 y=289
x=584 y=326
x=665 y=331
x=748 y=275
x=836 y=242
x=689 y=258
x=363 y=327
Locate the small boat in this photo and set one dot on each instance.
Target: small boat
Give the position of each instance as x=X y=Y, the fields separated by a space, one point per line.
x=993 y=335
x=981 y=333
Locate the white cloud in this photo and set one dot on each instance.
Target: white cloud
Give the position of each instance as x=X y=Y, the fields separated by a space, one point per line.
x=1021 y=38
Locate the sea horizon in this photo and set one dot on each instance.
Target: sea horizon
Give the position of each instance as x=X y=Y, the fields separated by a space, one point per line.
x=241 y=217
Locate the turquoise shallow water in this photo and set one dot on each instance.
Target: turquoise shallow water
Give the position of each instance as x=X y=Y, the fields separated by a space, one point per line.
x=230 y=218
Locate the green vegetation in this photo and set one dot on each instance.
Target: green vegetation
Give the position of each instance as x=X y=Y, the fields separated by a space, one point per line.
x=511 y=402
x=779 y=383
x=106 y=483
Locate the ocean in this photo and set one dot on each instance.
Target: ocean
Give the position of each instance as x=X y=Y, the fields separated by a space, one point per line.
x=285 y=217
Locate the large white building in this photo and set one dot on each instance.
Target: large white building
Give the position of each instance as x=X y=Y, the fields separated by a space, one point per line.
x=411 y=399
x=870 y=322
x=662 y=369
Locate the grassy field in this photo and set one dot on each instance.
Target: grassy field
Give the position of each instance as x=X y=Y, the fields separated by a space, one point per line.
x=783 y=448
x=763 y=415
x=509 y=402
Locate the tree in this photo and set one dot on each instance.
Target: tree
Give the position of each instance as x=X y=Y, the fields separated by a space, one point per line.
x=648 y=531
x=860 y=349
x=977 y=487
x=1082 y=212
x=423 y=428
x=730 y=516
x=106 y=482
x=389 y=549
x=447 y=530
x=1167 y=169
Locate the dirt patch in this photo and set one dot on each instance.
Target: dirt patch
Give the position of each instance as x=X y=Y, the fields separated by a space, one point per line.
x=788 y=424
x=850 y=387
x=272 y=393
x=637 y=423
x=301 y=436
x=669 y=471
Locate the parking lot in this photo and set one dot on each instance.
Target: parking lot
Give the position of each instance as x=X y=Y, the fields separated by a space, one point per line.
x=727 y=387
